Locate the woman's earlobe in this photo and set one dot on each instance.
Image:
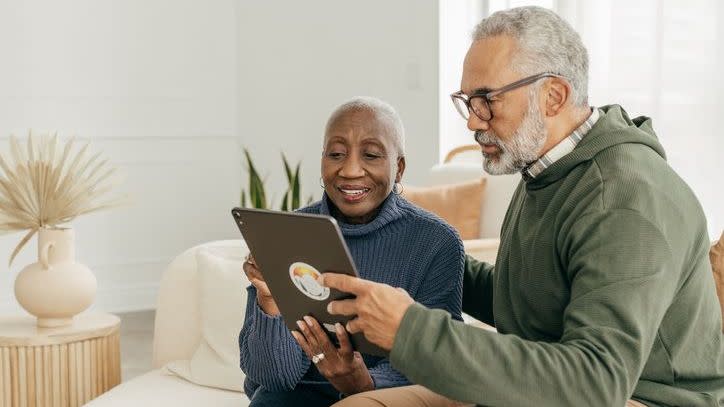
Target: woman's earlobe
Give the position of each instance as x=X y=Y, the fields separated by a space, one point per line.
x=400 y=168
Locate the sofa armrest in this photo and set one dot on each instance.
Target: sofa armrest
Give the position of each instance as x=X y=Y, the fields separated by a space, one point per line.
x=482 y=249
x=177 y=328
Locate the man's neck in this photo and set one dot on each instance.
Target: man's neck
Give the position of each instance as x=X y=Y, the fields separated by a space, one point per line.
x=564 y=126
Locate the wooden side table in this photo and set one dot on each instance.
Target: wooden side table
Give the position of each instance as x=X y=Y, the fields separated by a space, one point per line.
x=65 y=366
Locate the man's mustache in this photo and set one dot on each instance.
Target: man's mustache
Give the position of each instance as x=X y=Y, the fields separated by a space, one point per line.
x=482 y=137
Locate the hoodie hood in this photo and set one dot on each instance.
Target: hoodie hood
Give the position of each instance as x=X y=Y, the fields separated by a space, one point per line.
x=614 y=127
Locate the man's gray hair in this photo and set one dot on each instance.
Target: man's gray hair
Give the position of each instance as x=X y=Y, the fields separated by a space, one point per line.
x=547 y=43
x=382 y=110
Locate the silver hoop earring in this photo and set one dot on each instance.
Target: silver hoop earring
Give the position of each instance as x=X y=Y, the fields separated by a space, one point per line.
x=395 y=190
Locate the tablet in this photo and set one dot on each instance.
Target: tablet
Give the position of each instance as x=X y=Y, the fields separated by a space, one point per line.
x=292 y=250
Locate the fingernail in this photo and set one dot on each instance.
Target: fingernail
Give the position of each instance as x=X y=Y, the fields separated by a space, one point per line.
x=347 y=327
x=320 y=279
x=308 y=320
x=329 y=308
x=300 y=324
x=338 y=327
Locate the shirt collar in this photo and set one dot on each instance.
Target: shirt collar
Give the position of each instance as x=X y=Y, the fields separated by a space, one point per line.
x=564 y=147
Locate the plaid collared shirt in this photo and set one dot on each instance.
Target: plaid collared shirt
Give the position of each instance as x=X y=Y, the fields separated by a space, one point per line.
x=559 y=150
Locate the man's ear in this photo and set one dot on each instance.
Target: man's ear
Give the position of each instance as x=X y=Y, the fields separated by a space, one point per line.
x=557 y=94
x=400 y=168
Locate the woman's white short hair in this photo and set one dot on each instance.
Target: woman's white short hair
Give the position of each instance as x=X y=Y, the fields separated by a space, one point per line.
x=382 y=110
x=547 y=44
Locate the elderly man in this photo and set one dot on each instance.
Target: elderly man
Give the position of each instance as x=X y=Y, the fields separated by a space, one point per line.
x=602 y=290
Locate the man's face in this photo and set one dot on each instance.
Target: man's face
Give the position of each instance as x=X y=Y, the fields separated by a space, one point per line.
x=516 y=134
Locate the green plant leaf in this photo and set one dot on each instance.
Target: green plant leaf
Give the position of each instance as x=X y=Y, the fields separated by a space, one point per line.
x=285 y=202
x=287 y=169
x=257 y=191
x=260 y=193
x=257 y=195
x=296 y=188
x=243 y=199
x=249 y=162
x=287 y=198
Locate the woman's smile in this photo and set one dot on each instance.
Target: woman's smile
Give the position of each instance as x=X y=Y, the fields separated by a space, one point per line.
x=353 y=193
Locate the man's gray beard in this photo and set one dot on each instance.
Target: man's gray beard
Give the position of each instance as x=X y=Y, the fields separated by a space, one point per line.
x=522 y=148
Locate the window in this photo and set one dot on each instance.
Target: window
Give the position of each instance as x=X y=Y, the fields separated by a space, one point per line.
x=658 y=58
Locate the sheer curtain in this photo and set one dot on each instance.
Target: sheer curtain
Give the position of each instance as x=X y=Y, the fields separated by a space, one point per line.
x=659 y=58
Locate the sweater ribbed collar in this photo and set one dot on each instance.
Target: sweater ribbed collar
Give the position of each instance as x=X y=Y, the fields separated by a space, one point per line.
x=389 y=212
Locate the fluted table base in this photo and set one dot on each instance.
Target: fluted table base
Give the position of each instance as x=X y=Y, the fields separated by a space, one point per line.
x=70 y=372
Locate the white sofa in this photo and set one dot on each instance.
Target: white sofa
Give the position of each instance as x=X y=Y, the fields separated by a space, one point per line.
x=177 y=333
x=465 y=164
x=178 y=325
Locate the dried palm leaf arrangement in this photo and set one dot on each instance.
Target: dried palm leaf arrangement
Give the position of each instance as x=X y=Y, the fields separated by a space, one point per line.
x=46 y=182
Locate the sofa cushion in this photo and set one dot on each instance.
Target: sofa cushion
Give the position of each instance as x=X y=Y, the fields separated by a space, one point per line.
x=498 y=191
x=222 y=300
x=157 y=388
x=177 y=329
x=458 y=204
x=482 y=249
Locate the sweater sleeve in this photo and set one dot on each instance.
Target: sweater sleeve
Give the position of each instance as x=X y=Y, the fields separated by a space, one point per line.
x=478 y=290
x=384 y=375
x=442 y=289
x=442 y=286
x=269 y=355
x=622 y=284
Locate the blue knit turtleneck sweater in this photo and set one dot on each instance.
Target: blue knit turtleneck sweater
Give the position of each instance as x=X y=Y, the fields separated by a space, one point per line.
x=403 y=246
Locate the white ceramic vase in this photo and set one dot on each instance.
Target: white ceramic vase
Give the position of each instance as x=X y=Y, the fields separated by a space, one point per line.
x=55 y=288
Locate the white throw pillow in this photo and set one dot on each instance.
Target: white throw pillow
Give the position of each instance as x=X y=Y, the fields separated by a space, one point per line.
x=222 y=301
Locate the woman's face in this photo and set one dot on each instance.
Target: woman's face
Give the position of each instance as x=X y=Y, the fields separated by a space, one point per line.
x=360 y=164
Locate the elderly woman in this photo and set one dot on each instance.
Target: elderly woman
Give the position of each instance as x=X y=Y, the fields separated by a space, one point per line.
x=391 y=241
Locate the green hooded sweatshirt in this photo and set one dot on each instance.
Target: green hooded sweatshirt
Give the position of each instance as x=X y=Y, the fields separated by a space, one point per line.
x=602 y=290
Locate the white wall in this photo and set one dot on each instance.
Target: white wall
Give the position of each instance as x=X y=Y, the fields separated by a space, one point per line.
x=299 y=61
x=152 y=83
x=171 y=91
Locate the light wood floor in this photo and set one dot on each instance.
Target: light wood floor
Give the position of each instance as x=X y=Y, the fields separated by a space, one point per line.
x=136 y=343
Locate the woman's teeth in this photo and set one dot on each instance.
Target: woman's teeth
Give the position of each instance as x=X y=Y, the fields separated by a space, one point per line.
x=353 y=192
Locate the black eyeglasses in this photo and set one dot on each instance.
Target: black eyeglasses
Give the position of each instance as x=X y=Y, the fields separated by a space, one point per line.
x=479 y=103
